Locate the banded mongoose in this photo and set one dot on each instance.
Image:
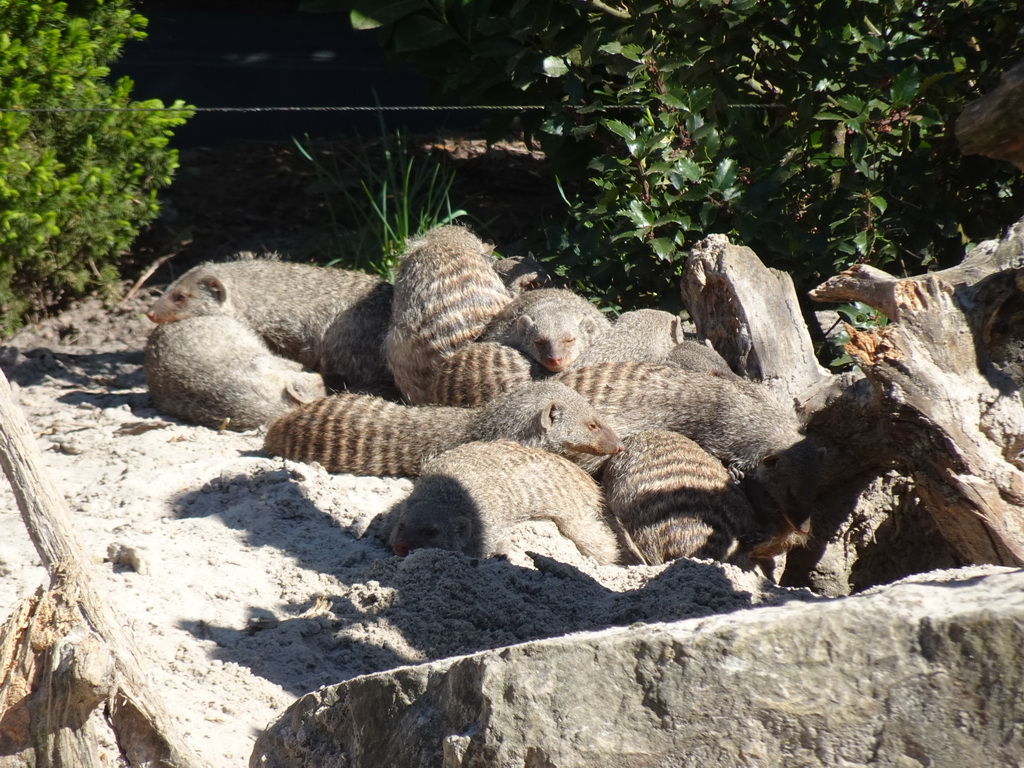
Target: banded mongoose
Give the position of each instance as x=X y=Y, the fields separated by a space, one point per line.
x=642 y=335
x=364 y=435
x=446 y=292
x=467 y=499
x=675 y=499
x=550 y=325
x=329 y=320
x=738 y=421
x=215 y=371
x=479 y=372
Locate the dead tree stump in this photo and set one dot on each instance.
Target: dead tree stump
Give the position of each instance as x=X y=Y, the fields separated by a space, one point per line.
x=925 y=466
x=72 y=690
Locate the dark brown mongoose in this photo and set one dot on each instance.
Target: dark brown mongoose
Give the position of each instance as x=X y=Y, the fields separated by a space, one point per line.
x=468 y=498
x=642 y=335
x=479 y=372
x=214 y=370
x=675 y=499
x=364 y=435
x=329 y=320
x=522 y=273
x=446 y=292
x=550 y=325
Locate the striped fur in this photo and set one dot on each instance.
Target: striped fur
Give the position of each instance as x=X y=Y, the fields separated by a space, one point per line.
x=365 y=435
x=477 y=373
x=468 y=498
x=675 y=499
x=446 y=292
x=738 y=421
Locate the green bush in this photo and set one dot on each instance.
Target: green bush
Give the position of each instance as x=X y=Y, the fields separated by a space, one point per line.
x=75 y=186
x=818 y=133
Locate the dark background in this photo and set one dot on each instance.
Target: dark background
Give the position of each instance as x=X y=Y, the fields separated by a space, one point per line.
x=268 y=54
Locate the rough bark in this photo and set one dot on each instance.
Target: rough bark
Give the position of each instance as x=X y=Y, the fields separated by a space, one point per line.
x=72 y=691
x=994 y=124
x=938 y=404
x=751 y=315
x=944 y=371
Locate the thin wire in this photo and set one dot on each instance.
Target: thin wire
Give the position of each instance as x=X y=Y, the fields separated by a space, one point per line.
x=477 y=107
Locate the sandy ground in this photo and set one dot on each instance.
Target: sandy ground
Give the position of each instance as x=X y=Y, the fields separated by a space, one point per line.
x=248 y=581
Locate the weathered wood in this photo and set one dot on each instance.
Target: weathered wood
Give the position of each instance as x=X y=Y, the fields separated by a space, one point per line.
x=751 y=315
x=994 y=124
x=957 y=419
x=72 y=690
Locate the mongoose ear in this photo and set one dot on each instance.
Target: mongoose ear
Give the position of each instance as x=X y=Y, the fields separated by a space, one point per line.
x=548 y=414
x=215 y=288
x=525 y=325
x=770 y=461
x=678 y=336
x=305 y=387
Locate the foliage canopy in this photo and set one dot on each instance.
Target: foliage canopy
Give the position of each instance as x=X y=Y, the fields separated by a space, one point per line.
x=75 y=185
x=818 y=133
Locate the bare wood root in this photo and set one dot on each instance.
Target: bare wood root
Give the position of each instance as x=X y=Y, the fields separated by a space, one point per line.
x=957 y=417
x=72 y=690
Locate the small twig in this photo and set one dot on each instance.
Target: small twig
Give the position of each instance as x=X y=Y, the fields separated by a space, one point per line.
x=601 y=6
x=146 y=275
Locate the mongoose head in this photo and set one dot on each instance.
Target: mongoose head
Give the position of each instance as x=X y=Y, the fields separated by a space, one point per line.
x=550 y=416
x=783 y=488
x=196 y=293
x=434 y=515
x=567 y=427
x=554 y=340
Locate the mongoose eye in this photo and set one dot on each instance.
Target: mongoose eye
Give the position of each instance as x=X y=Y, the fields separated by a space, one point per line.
x=570 y=341
x=178 y=298
x=592 y=426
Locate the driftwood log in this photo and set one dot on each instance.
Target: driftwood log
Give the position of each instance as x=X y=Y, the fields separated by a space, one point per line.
x=72 y=691
x=992 y=125
x=925 y=463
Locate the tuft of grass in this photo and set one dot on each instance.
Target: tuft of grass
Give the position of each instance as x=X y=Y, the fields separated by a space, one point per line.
x=390 y=200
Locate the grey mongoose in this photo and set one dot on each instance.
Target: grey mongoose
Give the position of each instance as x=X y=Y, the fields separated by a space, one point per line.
x=446 y=292
x=468 y=498
x=675 y=499
x=365 y=435
x=332 y=321
x=215 y=371
x=550 y=325
x=641 y=335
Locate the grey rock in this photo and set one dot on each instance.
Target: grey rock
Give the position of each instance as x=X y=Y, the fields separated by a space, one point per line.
x=925 y=672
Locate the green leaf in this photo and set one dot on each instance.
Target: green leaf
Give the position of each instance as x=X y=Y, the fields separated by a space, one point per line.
x=905 y=86
x=621 y=129
x=554 y=66
x=640 y=214
x=664 y=248
x=370 y=14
